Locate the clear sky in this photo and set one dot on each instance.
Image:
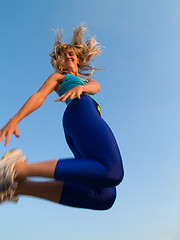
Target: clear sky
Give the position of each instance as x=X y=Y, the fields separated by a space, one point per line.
x=139 y=99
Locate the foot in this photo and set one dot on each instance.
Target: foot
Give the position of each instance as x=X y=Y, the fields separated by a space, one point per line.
x=8 y=184
x=7 y=193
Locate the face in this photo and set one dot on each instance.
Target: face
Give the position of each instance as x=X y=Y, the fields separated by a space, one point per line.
x=71 y=60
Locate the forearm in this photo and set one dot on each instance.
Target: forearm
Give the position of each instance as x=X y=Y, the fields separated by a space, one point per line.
x=91 y=87
x=33 y=103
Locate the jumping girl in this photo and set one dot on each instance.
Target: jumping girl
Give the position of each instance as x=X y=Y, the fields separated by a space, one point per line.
x=89 y=179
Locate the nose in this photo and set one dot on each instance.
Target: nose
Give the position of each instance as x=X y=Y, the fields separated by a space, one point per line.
x=67 y=56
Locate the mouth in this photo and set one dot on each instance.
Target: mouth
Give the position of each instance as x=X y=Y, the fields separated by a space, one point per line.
x=68 y=60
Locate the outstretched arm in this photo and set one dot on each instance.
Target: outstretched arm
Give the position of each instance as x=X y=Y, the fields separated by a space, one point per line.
x=92 y=87
x=33 y=103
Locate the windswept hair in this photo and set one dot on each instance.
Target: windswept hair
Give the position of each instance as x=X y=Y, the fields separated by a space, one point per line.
x=85 y=51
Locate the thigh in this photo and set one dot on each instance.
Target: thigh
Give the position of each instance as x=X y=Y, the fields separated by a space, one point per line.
x=98 y=160
x=90 y=134
x=72 y=146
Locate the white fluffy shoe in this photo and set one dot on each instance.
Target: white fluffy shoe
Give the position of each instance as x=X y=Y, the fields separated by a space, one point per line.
x=7 y=175
x=7 y=193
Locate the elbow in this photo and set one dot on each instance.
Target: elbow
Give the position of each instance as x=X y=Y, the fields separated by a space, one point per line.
x=38 y=99
x=98 y=87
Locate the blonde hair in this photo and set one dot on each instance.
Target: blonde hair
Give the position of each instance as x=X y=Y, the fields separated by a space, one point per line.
x=84 y=51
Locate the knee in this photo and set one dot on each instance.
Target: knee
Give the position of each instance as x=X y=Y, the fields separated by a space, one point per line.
x=107 y=198
x=115 y=177
x=118 y=177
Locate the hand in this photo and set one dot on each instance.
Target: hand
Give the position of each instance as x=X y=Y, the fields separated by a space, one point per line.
x=10 y=128
x=72 y=93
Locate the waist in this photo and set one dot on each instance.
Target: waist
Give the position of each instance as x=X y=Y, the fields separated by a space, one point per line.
x=91 y=95
x=85 y=95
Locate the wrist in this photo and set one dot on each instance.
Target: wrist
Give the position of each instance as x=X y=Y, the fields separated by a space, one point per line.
x=14 y=119
x=83 y=87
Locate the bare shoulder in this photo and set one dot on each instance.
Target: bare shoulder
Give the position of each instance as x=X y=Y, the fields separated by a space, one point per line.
x=56 y=80
x=57 y=77
x=52 y=83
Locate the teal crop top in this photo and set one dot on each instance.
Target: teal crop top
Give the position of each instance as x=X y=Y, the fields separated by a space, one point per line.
x=71 y=81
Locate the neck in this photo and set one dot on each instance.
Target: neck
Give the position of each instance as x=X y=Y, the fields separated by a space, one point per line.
x=73 y=72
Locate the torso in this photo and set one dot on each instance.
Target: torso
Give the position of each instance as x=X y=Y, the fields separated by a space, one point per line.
x=68 y=84
x=59 y=84
x=60 y=81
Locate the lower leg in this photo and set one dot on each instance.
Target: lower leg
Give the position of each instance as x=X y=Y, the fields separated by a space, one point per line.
x=46 y=190
x=42 y=169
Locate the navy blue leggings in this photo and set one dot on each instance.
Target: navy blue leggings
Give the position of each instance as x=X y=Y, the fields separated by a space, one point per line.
x=89 y=178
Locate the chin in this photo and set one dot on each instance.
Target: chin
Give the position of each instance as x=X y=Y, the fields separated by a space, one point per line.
x=69 y=65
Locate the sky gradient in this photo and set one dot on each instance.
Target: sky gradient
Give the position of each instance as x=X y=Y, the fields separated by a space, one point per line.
x=139 y=99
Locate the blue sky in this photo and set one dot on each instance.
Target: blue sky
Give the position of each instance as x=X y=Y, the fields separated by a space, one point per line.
x=139 y=99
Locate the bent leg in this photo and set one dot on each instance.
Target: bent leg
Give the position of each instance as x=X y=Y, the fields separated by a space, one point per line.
x=81 y=196
x=97 y=164
x=73 y=195
x=97 y=157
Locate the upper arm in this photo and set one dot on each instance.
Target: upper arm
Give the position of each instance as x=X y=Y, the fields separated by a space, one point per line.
x=50 y=85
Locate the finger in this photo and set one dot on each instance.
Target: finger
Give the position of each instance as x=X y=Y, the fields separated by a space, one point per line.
x=7 y=140
x=73 y=95
x=2 y=134
x=58 y=99
x=61 y=98
x=78 y=95
x=65 y=96
x=16 y=133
